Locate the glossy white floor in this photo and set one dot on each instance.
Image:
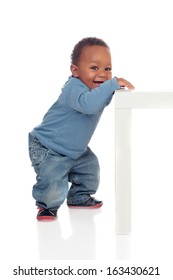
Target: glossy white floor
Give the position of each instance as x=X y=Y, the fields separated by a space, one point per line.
x=90 y=234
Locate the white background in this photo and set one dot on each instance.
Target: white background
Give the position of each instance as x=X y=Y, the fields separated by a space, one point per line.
x=37 y=38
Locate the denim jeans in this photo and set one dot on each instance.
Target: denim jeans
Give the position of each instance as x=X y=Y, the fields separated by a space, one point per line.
x=54 y=172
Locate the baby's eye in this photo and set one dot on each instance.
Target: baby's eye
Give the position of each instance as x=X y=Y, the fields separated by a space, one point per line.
x=94 y=68
x=108 y=69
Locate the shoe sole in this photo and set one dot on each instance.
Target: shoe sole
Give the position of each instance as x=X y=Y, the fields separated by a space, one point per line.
x=85 y=207
x=46 y=219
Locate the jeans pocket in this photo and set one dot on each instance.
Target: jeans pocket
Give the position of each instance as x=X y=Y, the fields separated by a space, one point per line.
x=38 y=153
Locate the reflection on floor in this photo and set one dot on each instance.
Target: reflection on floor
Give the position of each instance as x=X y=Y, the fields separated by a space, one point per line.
x=75 y=239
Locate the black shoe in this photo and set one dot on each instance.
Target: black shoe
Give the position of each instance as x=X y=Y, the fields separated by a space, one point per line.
x=89 y=204
x=46 y=214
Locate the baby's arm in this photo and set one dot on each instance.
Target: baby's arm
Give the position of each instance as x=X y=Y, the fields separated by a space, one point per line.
x=124 y=83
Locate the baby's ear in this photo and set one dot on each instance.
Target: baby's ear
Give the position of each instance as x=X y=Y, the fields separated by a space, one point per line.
x=74 y=70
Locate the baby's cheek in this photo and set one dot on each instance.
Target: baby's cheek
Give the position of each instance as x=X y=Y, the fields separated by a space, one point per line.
x=110 y=76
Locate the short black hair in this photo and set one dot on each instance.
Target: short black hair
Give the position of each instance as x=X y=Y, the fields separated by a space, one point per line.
x=89 y=41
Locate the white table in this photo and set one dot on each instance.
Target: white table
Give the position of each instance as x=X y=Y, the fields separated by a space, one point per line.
x=125 y=101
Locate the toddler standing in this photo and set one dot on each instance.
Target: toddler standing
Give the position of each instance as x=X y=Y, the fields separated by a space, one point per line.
x=58 y=147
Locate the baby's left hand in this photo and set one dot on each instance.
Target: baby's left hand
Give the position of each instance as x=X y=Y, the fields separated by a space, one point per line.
x=124 y=83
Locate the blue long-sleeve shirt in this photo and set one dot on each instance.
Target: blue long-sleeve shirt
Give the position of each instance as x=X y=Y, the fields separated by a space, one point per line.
x=70 y=122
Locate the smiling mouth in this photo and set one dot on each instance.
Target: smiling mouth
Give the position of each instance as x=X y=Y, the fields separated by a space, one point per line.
x=97 y=83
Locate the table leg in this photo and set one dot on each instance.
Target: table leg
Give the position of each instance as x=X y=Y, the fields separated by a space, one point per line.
x=123 y=171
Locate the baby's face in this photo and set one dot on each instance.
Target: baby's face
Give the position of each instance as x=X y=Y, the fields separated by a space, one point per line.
x=94 y=67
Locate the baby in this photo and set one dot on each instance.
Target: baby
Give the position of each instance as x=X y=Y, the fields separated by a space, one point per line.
x=58 y=147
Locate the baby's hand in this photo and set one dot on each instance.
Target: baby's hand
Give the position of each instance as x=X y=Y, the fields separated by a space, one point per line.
x=124 y=83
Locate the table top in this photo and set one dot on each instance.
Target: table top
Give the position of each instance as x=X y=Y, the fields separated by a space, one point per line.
x=125 y=99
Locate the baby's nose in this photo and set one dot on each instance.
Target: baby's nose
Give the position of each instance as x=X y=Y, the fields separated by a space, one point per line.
x=102 y=73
